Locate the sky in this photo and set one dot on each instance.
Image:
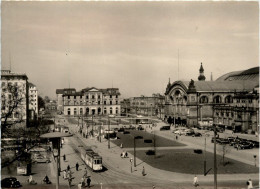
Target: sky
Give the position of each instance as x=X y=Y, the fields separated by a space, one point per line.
x=134 y=46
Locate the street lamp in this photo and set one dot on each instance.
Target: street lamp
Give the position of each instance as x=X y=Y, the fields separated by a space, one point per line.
x=131 y=161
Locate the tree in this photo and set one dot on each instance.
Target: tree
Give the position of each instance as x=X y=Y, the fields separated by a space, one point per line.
x=224 y=149
x=41 y=103
x=13 y=107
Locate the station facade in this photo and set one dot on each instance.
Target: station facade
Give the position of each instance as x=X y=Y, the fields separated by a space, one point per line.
x=231 y=101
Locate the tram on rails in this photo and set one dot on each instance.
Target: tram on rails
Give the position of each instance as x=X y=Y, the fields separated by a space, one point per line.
x=92 y=159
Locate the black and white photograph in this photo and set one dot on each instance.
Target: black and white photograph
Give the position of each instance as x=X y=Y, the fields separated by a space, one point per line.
x=130 y=94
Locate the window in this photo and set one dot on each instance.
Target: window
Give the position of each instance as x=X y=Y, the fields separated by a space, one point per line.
x=116 y=96
x=116 y=110
x=75 y=111
x=249 y=100
x=229 y=99
x=93 y=96
x=68 y=111
x=80 y=97
x=74 y=97
x=217 y=99
x=105 y=111
x=111 y=111
x=110 y=102
x=68 y=97
x=204 y=99
x=98 y=96
x=3 y=84
x=98 y=102
x=238 y=100
x=110 y=96
x=105 y=102
x=86 y=96
x=81 y=111
x=116 y=102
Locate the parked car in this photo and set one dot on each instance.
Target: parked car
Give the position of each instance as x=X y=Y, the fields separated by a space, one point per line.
x=165 y=128
x=139 y=137
x=223 y=141
x=126 y=132
x=245 y=145
x=190 y=133
x=10 y=182
x=121 y=130
x=197 y=134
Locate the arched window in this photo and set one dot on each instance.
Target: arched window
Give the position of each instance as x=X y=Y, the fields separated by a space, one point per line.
x=217 y=99
x=99 y=110
x=229 y=99
x=204 y=99
x=116 y=110
x=105 y=110
x=75 y=111
x=68 y=111
x=81 y=111
x=111 y=110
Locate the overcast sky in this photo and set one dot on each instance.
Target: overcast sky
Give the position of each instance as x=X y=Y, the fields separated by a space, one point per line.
x=129 y=45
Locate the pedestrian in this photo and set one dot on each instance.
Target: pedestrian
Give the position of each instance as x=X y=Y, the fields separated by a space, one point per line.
x=79 y=185
x=64 y=157
x=85 y=172
x=195 y=181
x=249 y=184
x=143 y=171
x=82 y=182
x=64 y=174
x=126 y=154
x=88 y=182
x=121 y=145
x=68 y=167
x=176 y=137
x=77 y=166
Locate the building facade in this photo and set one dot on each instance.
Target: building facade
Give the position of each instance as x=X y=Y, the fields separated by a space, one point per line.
x=147 y=106
x=231 y=101
x=89 y=101
x=14 y=97
x=33 y=99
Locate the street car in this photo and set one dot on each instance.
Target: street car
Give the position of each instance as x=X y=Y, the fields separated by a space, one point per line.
x=10 y=182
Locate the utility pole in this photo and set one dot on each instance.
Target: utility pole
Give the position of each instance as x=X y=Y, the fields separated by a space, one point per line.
x=215 y=152
x=154 y=144
x=92 y=126
x=134 y=154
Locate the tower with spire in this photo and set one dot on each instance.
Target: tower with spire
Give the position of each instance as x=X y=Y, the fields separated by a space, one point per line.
x=201 y=76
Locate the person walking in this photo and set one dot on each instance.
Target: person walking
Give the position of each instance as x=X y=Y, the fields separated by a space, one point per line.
x=85 y=173
x=143 y=171
x=77 y=166
x=249 y=184
x=88 y=182
x=64 y=157
x=121 y=146
x=195 y=181
x=64 y=174
x=68 y=167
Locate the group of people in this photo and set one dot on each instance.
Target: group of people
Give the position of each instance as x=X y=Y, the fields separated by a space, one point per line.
x=85 y=180
x=124 y=154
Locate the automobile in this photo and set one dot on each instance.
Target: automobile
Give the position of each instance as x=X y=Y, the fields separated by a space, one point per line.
x=126 y=132
x=139 y=137
x=150 y=152
x=223 y=141
x=10 y=182
x=163 y=128
x=148 y=141
x=190 y=133
x=38 y=158
x=230 y=139
x=197 y=134
x=140 y=128
x=121 y=130
x=245 y=145
x=177 y=132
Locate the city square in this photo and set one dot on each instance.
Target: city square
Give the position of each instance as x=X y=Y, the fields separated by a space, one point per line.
x=130 y=95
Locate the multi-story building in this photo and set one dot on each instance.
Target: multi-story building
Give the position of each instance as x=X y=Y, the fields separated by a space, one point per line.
x=231 y=101
x=14 y=97
x=143 y=105
x=33 y=99
x=89 y=101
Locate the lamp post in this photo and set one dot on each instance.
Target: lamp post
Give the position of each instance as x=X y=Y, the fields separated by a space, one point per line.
x=131 y=161
x=55 y=138
x=134 y=154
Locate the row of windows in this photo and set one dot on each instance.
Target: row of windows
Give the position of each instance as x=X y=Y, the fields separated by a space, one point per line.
x=93 y=102
x=92 y=97
x=218 y=99
x=93 y=111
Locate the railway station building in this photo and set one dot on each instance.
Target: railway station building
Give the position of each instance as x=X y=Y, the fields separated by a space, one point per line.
x=231 y=101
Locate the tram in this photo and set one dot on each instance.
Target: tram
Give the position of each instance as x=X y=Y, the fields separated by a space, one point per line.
x=92 y=159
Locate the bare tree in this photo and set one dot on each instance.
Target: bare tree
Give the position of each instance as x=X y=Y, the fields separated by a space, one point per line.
x=224 y=149
x=13 y=106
